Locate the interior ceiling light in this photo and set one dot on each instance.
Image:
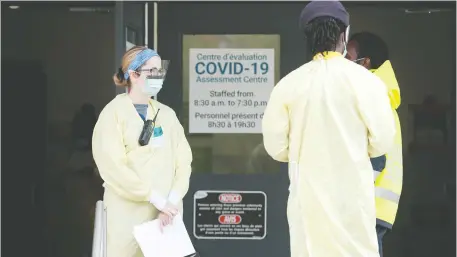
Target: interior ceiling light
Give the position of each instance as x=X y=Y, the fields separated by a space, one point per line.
x=425 y=11
x=14 y=7
x=90 y=9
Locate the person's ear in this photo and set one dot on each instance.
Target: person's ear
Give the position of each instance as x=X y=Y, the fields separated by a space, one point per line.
x=132 y=74
x=366 y=62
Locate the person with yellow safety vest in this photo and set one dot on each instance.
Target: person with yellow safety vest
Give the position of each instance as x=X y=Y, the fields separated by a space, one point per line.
x=371 y=52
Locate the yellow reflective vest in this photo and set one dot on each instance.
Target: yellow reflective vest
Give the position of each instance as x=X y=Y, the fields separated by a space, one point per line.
x=388 y=182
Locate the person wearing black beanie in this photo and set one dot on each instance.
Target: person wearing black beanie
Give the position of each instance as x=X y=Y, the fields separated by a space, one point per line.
x=326 y=119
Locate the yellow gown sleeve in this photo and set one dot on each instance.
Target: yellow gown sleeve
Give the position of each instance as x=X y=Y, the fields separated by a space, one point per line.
x=376 y=112
x=183 y=161
x=275 y=125
x=109 y=154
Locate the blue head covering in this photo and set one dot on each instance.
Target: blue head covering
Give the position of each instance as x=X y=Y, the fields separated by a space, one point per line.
x=139 y=60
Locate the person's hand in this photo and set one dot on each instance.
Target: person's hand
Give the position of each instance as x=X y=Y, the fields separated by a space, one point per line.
x=163 y=205
x=164 y=220
x=170 y=209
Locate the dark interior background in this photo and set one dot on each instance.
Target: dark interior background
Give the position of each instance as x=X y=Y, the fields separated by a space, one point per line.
x=426 y=217
x=73 y=54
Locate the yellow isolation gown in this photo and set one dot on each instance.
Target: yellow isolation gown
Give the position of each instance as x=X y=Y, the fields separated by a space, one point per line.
x=131 y=172
x=326 y=119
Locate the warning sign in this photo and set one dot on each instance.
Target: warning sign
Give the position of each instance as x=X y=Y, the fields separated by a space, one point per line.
x=230 y=215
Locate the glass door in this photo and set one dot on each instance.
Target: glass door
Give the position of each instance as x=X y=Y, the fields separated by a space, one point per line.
x=220 y=79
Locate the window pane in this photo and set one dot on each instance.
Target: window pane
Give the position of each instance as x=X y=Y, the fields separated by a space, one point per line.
x=131 y=35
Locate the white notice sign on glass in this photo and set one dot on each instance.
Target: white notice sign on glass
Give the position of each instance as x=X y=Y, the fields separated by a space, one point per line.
x=229 y=89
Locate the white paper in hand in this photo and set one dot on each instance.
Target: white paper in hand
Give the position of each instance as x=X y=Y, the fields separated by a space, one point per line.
x=174 y=241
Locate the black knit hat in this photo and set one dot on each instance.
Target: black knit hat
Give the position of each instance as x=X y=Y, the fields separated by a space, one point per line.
x=321 y=8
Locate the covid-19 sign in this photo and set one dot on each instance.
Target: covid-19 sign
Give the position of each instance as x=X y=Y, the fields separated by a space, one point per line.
x=229 y=89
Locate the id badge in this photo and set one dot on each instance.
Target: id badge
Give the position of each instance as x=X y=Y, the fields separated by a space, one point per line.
x=157 y=139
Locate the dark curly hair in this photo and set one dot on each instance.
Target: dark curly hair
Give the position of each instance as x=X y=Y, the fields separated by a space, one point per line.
x=322 y=34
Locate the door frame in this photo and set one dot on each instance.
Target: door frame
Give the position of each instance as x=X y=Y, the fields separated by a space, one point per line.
x=121 y=22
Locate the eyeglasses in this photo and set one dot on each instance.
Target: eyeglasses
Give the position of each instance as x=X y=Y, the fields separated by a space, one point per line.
x=153 y=72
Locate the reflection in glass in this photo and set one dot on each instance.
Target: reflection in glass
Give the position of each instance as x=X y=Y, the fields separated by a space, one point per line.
x=261 y=162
